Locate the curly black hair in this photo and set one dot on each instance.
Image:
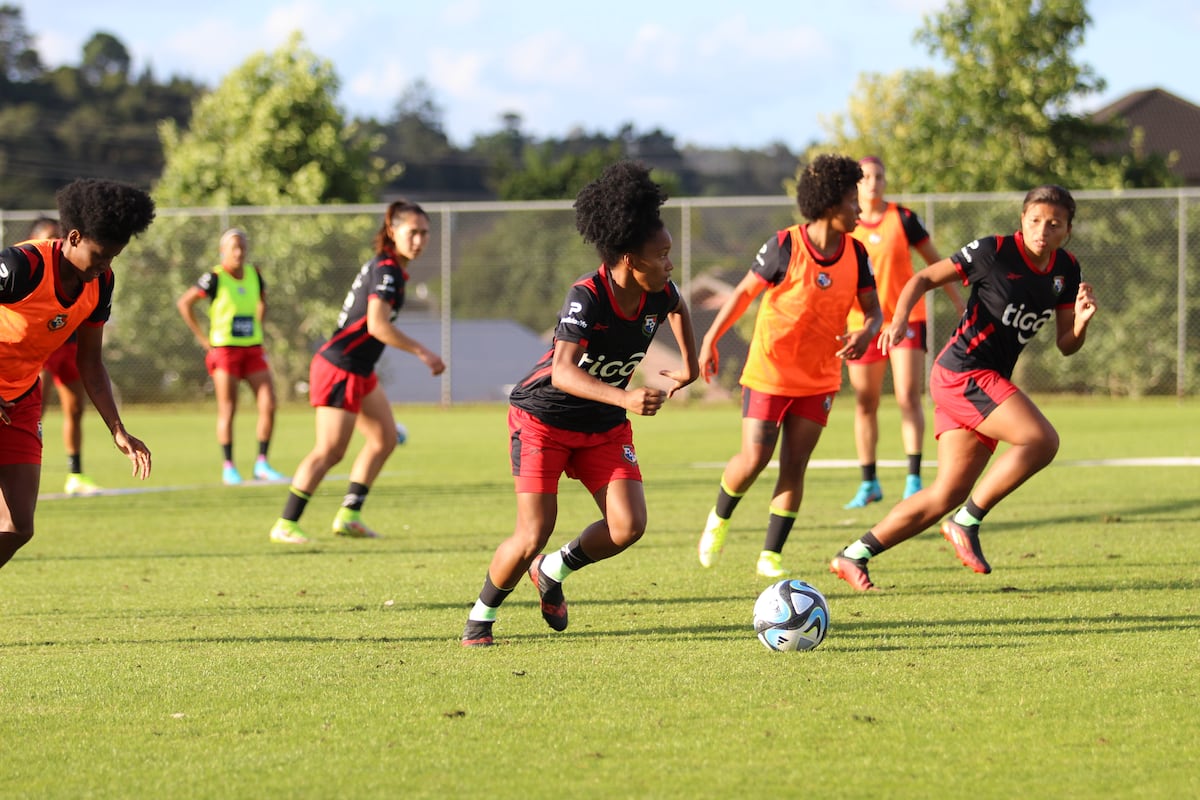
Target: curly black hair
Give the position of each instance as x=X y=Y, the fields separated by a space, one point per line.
x=824 y=184
x=619 y=211
x=104 y=211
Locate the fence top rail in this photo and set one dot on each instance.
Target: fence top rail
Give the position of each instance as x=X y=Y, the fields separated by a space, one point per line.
x=765 y=201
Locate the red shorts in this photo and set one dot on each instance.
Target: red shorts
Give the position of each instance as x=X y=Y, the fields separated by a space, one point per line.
x=541 y=453
x=239 y=361
x=336 y=388
x=964 y=399
x=774 y=407
x=915 y=337
x=61 y=363
x=21 y=439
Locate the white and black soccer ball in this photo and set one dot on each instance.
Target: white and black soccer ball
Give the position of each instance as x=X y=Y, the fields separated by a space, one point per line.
x=791 y=615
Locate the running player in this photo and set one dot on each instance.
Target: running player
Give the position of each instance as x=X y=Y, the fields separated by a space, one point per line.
x=233 y=348
x=890 y=233
x=344 y=388
x=1018 y=284
x=569 y=414
x=809 y=275
x=49 y=289
x=60 y=368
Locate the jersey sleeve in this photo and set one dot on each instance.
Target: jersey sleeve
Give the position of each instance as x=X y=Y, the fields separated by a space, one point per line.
x=972 y=260
x=771 y=262
x=104 y=302
x=866 y=275
x=208 y=285
x=580 y=312
x=386 y=279
x=1072 y=277
x=914 y=231
x=16 y=275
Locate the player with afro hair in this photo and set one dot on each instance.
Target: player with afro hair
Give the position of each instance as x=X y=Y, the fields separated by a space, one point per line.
x=809 y=276
x=49 y=289
x=569 y=414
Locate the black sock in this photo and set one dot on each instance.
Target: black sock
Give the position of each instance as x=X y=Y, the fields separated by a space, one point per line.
x=573 y=556
x=778 y=528
x=492 y=595
x=75 y=463
x=295 y=504
x=914 y=464
x=227 y=451
x=726 y=503
x=868 y=471
x=262 y=448
x=974 y=510
x=356 y=495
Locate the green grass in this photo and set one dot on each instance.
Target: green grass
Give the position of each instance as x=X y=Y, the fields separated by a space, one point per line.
x=157 y=645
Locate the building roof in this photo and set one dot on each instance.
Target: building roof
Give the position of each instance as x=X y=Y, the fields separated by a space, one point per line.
x=1170 y=125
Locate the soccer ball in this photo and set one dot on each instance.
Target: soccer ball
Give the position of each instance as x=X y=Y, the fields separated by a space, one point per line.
x=791 y=615
x=401 y=433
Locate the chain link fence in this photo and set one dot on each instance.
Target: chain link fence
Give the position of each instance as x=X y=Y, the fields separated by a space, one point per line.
x=487 y=289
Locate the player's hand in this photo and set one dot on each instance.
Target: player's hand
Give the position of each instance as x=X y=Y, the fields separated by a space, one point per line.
x=710 y=362
x=681 y=378
x=891 y=336
x=1085 y=303
x=135 y=449
x=854 y=344
x=434 y=362
x=645 y=401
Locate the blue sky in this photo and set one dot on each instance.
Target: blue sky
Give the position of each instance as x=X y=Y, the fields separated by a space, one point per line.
x=708 y=73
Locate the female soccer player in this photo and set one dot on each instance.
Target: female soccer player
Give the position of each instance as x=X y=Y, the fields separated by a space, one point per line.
x=890 y=232
x=233 y=348
x=344 y=388
x=60 y=368
x=809 y=275
x=1018 y=284
x=569 y=413
x=49 y=289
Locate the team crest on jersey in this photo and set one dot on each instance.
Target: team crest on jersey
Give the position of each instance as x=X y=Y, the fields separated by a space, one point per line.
x=1058 y=284
x=828 y=403
x=824 y=281
x=57 y=322
x=650 y=325
x=627 y=452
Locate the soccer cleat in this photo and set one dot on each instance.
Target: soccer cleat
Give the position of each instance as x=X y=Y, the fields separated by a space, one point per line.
x=912 y=485
x=965 y=539
x=348 y=522
x=230 y=476
x=712 y=541
x=868 y=492
x=263 y=471
x=770 y=565
x=285 y=531
x=554 y=605
x=477 y=634
x=852 y=570
x=80 y=485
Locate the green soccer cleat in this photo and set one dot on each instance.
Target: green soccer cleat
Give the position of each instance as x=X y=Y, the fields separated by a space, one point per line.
x=712 y=541
x=348 y=522
x=285 y=531
x=80 y=485
x=770 y=565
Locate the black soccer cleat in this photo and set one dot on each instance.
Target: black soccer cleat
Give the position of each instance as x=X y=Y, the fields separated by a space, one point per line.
x=554 y=605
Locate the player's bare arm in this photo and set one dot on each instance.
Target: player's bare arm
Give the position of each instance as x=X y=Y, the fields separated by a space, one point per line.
x=680 y=321
x=735 y=305
x=1072 y=322
x=379 y=325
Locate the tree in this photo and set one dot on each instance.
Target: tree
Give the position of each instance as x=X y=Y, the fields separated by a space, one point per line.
x=105 y=61
x=1001 y=118
x=19 y=60
x=269 y=134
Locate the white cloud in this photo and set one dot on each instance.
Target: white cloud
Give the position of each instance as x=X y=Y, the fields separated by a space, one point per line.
x=463 y=12
x=548 y=58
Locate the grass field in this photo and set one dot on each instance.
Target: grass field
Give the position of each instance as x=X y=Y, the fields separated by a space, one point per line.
x=156 y=644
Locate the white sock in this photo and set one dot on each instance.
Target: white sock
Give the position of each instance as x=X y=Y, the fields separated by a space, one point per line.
x=554 y=567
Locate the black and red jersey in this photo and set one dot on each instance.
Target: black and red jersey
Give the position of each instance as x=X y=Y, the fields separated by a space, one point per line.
x=21 y=270
x=351 y=347
x=1010 y=302
x=613 y=344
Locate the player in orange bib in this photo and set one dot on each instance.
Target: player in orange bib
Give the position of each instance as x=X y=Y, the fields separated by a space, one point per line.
x=48 y=290
x=890 y=233
x=809 y=276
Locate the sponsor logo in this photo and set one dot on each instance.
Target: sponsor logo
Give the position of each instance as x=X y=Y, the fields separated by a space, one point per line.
x=650 y=324
x=571 y=319
x=613 y=372
x=3 y=270
x=824 y=281
x=57 y=322
x=1026 y=323
x=1013 y=276
x=629 y=455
